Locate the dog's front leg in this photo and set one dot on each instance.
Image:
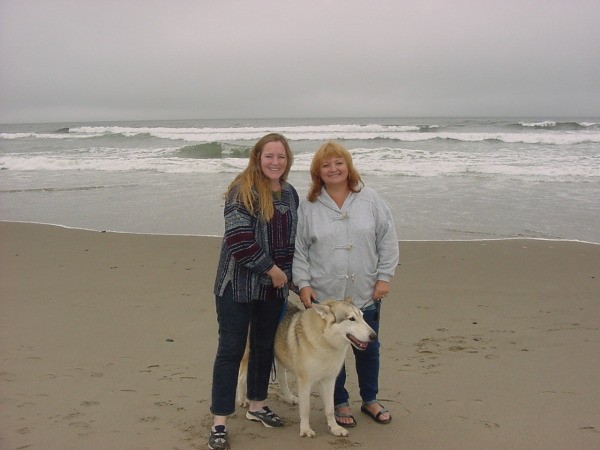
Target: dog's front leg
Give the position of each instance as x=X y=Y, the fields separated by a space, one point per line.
x=304 y=407
x=327 y=388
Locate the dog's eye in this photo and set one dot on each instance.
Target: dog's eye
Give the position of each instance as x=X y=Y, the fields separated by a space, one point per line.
x=353 y=319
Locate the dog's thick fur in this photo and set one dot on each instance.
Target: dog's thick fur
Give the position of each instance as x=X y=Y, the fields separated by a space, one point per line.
x=312 y=344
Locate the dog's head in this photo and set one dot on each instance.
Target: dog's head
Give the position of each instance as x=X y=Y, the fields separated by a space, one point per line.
x=344 y=320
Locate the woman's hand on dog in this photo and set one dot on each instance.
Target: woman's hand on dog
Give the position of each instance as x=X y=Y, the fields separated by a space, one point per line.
x=307 y=296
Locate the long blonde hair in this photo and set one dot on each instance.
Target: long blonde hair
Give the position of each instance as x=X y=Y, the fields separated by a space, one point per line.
x=252 y=187
x=326 y=151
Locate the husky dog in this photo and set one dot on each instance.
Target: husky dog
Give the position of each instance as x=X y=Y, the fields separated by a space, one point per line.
x=312 y=344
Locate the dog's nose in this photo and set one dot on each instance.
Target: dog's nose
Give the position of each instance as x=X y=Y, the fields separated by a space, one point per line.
x=373 y=336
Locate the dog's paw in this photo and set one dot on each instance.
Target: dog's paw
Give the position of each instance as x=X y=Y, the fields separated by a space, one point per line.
x=244 y=403
x=291 y=399
x=307 y=432
x=338 y=431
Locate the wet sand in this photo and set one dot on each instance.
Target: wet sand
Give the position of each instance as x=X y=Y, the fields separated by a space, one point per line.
x=107 y=341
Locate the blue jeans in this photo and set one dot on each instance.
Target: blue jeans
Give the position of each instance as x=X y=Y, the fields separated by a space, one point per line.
x=367 y=364
x=234 y=318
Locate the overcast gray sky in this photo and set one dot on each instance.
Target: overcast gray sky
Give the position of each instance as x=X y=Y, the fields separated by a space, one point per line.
x=80 y=60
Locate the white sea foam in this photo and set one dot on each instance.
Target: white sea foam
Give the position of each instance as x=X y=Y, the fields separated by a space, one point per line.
x=552 y=124
x=210 y=134
x=331 y=132
x=556 y=165
x=15 y=135
x=47 y=135
x=552 y=154
x=546 y=123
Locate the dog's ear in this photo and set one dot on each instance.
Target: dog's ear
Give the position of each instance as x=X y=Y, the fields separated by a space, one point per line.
x=349 y=300
x=321 y=309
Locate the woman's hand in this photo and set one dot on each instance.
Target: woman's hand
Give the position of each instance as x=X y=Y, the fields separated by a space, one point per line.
x=307 y=295
x=278 y=277
x=382 y=289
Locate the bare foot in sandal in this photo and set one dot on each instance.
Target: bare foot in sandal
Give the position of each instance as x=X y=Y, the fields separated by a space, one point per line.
x=343 y=417
x=377 y=412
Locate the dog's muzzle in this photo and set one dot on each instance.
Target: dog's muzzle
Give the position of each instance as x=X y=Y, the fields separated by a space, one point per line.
x=358 y=344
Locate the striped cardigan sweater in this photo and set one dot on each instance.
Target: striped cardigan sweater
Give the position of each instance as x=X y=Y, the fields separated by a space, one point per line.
x=251 y=246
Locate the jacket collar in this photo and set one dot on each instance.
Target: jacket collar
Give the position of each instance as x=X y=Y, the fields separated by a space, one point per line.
x=326 y=200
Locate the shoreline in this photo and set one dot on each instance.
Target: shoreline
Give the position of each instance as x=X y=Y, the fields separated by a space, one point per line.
x=220 y=236
x=107 y=341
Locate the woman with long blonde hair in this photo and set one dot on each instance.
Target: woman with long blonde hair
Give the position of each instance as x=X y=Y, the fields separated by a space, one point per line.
x=253 y=280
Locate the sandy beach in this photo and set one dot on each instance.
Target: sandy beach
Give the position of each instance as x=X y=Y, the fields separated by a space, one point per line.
x=107 y=342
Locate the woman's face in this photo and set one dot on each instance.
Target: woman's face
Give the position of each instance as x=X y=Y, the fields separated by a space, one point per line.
x=273 y=161
x=334 y=171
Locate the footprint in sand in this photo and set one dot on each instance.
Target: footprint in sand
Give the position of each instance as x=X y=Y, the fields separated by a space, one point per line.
x=7 y=376
x=148 y=419
x=73 y=415
x=167 y=403
x=80 y=425
x=89 y=403
x=483 y=422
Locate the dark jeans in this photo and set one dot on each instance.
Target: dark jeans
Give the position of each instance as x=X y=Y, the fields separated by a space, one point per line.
x=234 y=318
x=367 y=364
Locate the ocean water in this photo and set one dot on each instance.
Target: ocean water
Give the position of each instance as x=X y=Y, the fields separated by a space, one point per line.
x=444 y=179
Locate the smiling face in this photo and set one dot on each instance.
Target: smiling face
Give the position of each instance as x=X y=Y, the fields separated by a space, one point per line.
x=273 y=162
x=334 y=171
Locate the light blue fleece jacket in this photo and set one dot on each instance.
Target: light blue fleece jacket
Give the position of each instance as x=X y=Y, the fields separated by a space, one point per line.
x=342 y=252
